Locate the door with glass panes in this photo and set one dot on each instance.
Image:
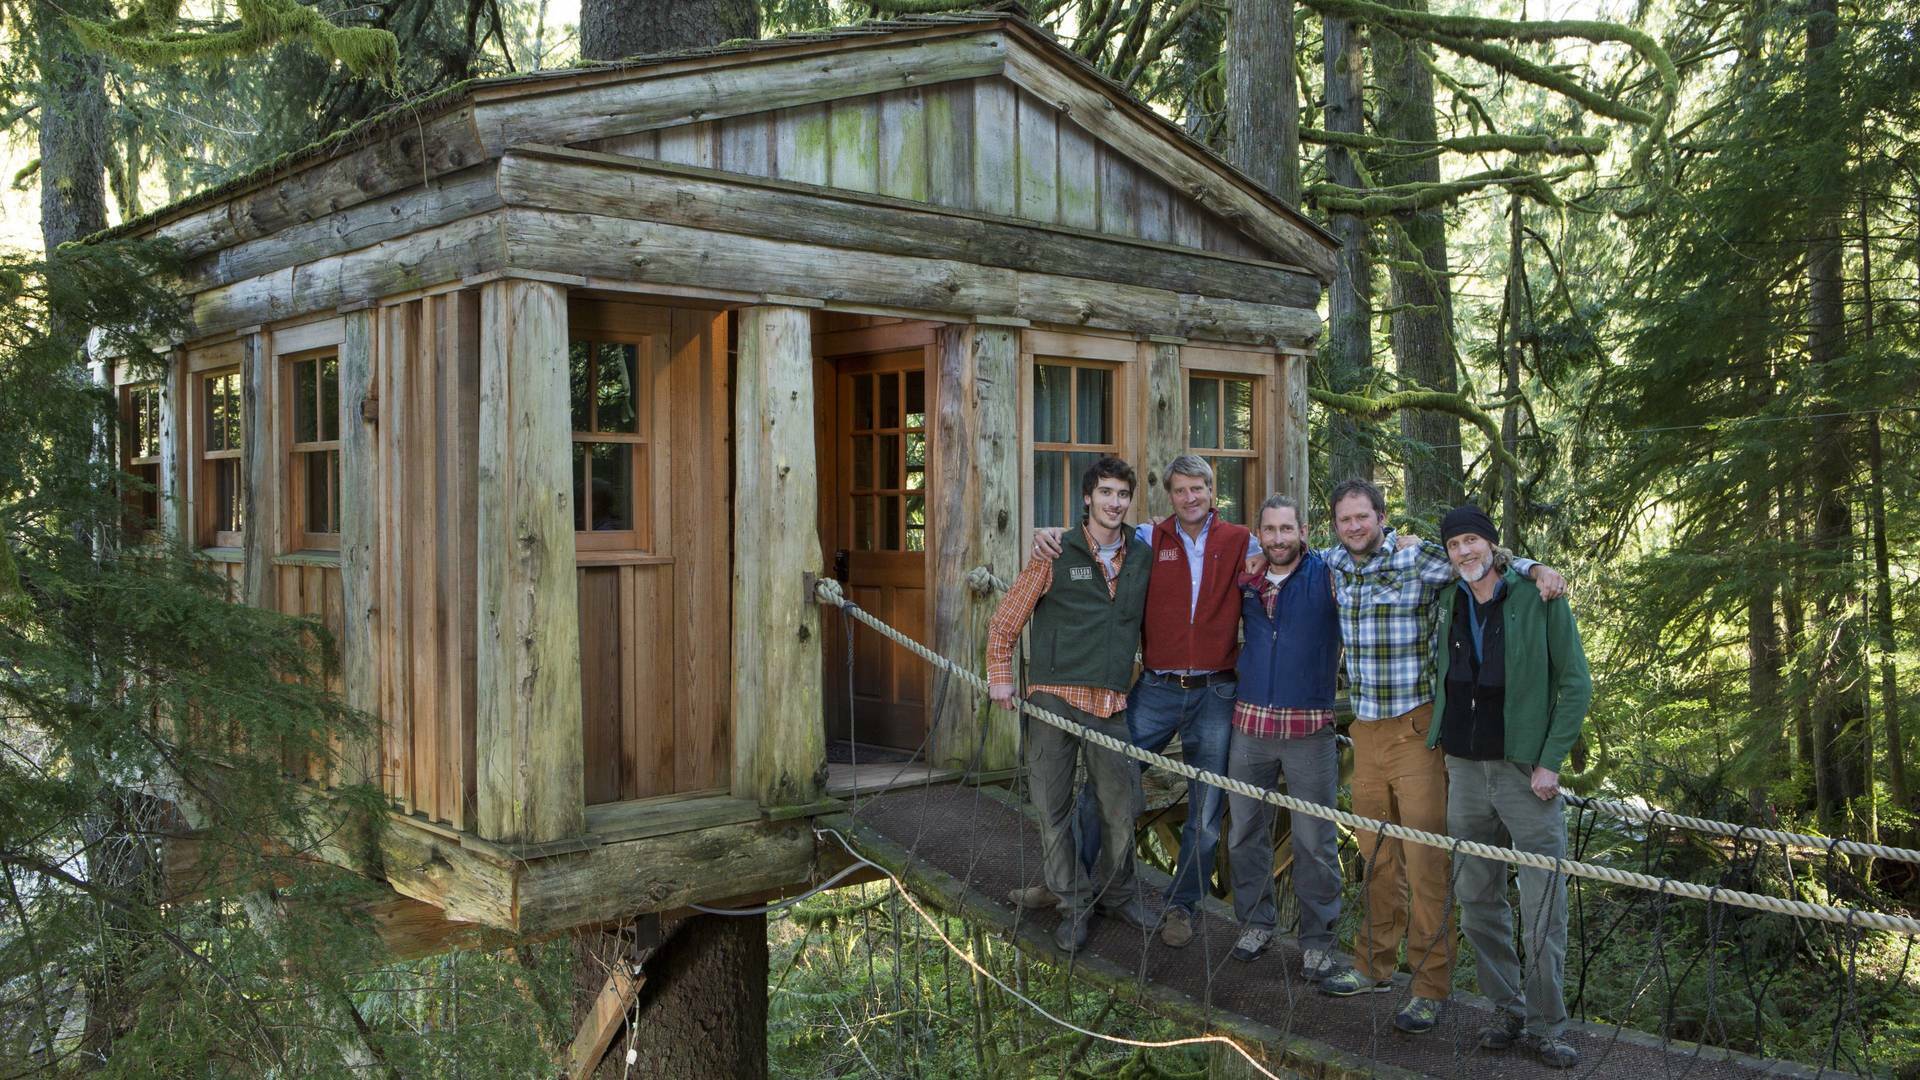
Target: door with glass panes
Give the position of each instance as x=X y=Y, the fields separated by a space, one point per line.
x=879 y=552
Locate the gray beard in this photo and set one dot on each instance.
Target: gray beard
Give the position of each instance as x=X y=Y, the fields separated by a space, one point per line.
x=1477 y=573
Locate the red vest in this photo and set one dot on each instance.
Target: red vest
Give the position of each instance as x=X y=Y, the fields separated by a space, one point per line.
x=1210 y=640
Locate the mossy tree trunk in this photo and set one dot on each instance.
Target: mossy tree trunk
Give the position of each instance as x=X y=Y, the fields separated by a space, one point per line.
x=616 y=29
x=702 y=1014
x=1263 y=113
x=1348 y=351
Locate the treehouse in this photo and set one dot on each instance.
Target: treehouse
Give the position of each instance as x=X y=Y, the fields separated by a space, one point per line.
x=553 y=395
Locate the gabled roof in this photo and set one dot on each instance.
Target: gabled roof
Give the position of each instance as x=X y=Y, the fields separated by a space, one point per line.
x=487 y=116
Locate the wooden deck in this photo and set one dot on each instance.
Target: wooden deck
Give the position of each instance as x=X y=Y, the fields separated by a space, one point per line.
x=965 y=847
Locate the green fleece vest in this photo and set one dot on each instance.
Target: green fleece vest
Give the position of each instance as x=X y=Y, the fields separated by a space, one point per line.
x=1079 y=636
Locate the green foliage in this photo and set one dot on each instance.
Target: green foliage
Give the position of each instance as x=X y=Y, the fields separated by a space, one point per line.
x=150 y=36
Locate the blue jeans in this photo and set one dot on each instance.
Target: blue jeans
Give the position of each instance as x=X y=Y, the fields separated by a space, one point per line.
x=1157 y=709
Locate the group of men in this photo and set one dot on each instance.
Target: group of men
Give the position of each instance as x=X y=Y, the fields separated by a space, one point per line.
x=1467 y=684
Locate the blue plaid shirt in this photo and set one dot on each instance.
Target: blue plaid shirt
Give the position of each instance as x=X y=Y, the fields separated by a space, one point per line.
x=1386 y=622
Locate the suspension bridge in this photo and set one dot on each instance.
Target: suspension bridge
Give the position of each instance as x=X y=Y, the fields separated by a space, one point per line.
x=961 y=847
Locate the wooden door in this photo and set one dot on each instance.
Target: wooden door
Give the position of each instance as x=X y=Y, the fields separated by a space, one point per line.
x=879 y=534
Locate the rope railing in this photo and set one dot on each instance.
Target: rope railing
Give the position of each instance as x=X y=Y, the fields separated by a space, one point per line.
x=828 y=592
x=983 y=581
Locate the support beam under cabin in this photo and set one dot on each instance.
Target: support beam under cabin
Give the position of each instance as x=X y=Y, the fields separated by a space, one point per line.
x=975 y=509
x=530 y=754
x=779 y=744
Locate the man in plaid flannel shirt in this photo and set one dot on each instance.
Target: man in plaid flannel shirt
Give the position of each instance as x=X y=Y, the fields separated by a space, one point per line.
x=1386 y=599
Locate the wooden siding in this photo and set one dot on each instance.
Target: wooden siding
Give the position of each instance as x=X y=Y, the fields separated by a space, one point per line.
x=971 y=144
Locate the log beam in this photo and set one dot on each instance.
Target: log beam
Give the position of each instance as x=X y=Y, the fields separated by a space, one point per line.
x=359 y=537
x=975 y=516
x=529 y=747
x=780 y=754
x=1166 y=423
x=1290 y=463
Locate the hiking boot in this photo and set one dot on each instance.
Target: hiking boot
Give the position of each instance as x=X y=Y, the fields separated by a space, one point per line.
x=1502 y=1033
x=1253 y=941
x=1034 y=898
x=1552 y=1051
x=1074 y=931
x=1419 y=1014
x=1176 y=928
x=1350 y=982
x=1318 y=965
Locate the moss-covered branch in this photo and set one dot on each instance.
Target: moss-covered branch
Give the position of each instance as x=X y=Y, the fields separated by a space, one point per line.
x=1561 y=146
x=1371 y=407
x=151 y=37
x=1407 y=198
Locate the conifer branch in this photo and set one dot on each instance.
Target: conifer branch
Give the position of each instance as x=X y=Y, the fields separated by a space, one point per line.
x=1371 y=407
x=151 y=37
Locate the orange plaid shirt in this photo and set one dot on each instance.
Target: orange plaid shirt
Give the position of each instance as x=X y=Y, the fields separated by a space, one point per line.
x=1011 y=617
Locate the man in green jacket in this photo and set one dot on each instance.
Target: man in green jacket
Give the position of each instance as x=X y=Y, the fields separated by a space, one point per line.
x=1510 y=689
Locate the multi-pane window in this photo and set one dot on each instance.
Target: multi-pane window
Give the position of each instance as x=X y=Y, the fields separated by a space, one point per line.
x=1220 y=428
x=1073 y=426
x=314 y=472
x=140 y=452
x=611 y=439
x=888 y=441
x=222 y=502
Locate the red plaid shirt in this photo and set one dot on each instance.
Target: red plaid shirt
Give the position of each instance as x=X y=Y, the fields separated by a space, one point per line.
x=1276 y=722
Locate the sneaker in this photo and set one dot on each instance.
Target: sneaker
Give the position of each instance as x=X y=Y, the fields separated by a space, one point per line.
x=1350 y=982
x=1503 y=1032
x=1176 y=928
x=1318 y=965
x=1553 y=1052
x=1253 y=941
x=1034 y=898
x=1420 y=1014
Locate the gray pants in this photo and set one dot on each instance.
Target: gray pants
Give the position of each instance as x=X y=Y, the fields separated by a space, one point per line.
x=1050 y=758
x=1312 y=768
x=1493 y=802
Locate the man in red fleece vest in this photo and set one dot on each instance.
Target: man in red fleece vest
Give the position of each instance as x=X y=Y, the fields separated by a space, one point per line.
x=1189 y=641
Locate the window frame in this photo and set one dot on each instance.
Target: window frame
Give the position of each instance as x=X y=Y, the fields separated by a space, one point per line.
x=139 y=523
x=295 y=452
x=204 y=458
x=874 y=367
x=1119 y=398
x=1253 y=493
x=648 y=534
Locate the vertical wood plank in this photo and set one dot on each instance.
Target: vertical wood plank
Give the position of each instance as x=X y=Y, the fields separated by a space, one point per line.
x=528 y=722
x=1039 y=169
x=1186 y=226
x=261 y=456
x=996 y=125
x=360 y=527
x=606 y=632
x=418 y=463
x=702 y=517
x=1166 y=419
x=1155 y=202
x=1119 y=207
x=854 y=144
x=800 y=141
x=688 y=144
x=1079 y=177
x=746 y=144
x=903 y=144
x=176 y=496
x=458 y=405
x=780 y=749
x=950 y=144
x=398 y=344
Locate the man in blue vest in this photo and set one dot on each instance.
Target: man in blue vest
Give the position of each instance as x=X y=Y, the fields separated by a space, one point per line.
x=1283 y=722
x=1085 y=609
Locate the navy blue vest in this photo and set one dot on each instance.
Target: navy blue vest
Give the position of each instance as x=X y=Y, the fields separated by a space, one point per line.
x=1289 y=661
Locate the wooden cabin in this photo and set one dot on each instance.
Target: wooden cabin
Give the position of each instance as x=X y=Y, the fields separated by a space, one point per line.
x=552 y=395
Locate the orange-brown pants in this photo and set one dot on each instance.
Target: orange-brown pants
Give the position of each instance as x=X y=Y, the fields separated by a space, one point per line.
x=1397 y=778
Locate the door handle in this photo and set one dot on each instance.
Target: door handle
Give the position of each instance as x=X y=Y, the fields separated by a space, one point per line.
x=842 y=565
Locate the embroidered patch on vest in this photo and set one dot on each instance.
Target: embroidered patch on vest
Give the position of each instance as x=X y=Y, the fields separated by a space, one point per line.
x=1080 y=573
x=1168 y=555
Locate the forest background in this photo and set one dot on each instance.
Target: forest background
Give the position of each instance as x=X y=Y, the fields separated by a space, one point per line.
x=1643 y=278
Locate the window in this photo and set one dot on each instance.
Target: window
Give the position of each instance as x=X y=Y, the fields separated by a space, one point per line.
x=222 y=500
x=888 y=441
x=1220 y=427
x=1073 y=426
x=314 y=472
x=611 y=441
x=140 y=452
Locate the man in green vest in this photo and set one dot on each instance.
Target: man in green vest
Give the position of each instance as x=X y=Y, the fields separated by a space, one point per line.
x=1084 y=609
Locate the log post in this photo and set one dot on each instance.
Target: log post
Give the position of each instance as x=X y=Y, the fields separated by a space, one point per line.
x=780 y=750
x=359 y=537
x=260 y=461
x=1290 y=458
x=975 y=514
x=527 y=728
x=1166 y=424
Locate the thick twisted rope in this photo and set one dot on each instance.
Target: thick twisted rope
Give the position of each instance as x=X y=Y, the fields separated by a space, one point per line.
x=828 y=592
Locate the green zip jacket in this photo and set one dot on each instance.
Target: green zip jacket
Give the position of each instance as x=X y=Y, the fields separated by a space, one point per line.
x=1548 y=685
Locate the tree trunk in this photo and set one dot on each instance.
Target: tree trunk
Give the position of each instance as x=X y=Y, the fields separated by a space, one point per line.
x=1263 y=112
x=703 y=1011
x=1883 y=642
x=73 y=126
x=1517 y=319
x=1841 y=760
x=1348 y=352
x=1422 y=325
x=1793 y=612
x=617 y=29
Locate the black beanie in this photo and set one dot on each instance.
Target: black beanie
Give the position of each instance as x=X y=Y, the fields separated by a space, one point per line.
x=1468 y=520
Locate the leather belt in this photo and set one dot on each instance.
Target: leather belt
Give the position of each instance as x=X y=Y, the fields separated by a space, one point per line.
x=1195 y=682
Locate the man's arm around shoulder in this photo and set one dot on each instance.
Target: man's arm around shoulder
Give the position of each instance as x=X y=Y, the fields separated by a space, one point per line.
x=1009 y=618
